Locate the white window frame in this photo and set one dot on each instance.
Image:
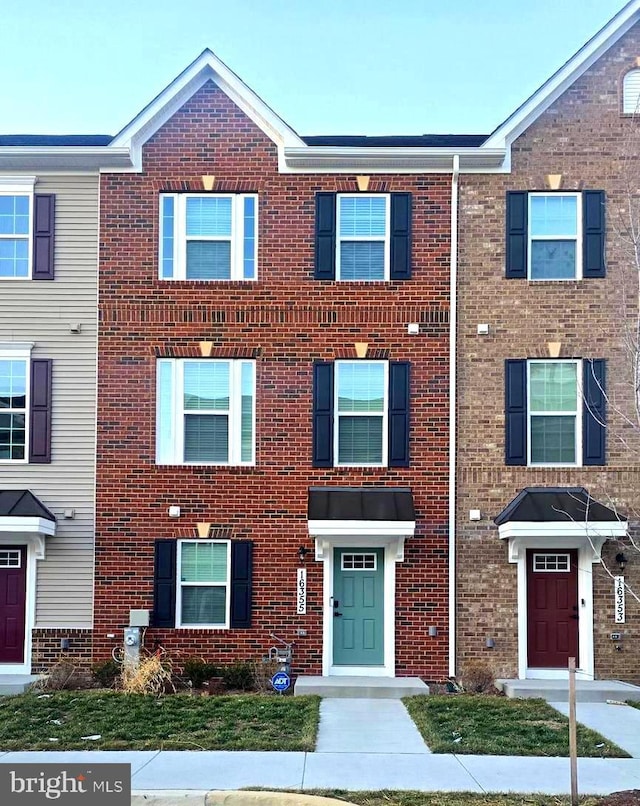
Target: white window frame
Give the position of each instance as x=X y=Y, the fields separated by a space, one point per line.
x=365 y=556
x=384 y=415
x=578 y=414
x=631 y=84
x=386 y=238
x=234 y=413
x=180 y=237
x=20 y=186
x=19 y=351
x=180 y=584
x=577 y=238
x=6 y=555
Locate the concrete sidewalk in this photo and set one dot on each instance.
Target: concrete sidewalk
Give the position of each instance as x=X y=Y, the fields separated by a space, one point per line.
x=179 y=773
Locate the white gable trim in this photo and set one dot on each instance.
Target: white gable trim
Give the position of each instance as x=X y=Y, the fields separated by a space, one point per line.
x=207 y=67
x=531 y=109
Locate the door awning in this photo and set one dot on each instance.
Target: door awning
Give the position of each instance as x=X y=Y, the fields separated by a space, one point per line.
x=568 y=514
x=360 y=511
x=21 y=512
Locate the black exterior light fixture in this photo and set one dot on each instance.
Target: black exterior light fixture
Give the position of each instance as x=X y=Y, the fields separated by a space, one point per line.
x=302 y=553
x=621 y=559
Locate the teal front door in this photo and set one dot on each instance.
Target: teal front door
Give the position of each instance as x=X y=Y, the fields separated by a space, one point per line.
x=358 y=607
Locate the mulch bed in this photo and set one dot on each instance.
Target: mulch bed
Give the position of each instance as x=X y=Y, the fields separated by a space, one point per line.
x=630 y=797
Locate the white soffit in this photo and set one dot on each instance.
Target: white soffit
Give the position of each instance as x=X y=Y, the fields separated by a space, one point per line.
x=563 y=78
x=333 y=528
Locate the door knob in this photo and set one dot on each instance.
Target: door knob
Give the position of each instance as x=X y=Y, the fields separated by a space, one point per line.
x=336 y=613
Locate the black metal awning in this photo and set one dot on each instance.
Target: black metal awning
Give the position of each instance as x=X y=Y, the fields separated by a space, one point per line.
x=544 y=504
x=23 y=504
x=360 y=504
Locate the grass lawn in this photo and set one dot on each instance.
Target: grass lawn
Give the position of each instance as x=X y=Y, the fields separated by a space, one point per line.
x=500 y=726
x=173 y=722
x=387 y=798
x=634 y=703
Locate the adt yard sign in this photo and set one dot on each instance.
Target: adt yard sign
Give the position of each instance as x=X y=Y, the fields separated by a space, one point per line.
x=281 y=681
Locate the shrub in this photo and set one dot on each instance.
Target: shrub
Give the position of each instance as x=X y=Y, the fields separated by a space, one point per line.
x=151 y=675
x=263 y=671
x=240 y=675
x=106 y=673
x=477 y=677
x=198 y=671
x=62 y=675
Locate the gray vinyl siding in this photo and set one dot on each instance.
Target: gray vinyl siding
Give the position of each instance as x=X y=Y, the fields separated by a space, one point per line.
x=42 y=312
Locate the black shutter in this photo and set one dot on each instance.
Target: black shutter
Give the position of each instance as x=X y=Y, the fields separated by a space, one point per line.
x=164 y=584
x=516 y=245
x=400 y=236
x=515 y=412
x=594 y=412
x=325 y=265
x=322 y=414
x=399 y=372
x=241 y=578
x=593 y=229
x=40 y=414
x=44 y=206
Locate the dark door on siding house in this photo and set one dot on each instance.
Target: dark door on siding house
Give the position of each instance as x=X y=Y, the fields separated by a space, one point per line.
x=13 y=598
x=552 y=608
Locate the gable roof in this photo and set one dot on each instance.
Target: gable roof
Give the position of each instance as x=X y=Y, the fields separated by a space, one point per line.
x=563 y=78
x=207 y=67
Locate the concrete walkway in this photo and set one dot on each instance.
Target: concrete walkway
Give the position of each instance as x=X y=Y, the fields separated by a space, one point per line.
x=367 y=726
x=618 y=723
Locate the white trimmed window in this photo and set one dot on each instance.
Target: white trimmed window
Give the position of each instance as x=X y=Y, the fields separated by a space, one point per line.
x=554 y=412
x=204 y=589
x=555 y=236
x=362 y=242
x=631 y=93
x=206 y=412
x=361 y=406
x=16 y=222
x=14 y=403
x=208 y=236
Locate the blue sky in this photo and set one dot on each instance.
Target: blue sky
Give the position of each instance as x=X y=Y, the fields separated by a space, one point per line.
x=325 y=66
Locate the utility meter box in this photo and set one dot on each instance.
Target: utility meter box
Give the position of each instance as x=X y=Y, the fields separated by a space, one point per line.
x=132 y=644
x=138 y=618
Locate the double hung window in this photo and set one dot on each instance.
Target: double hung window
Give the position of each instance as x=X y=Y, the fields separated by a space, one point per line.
x=15 y=233
x=554 y=236
x=206 y=412
x=555 y=397
x=362 y=237
x=208 y=237
x=203 y=598
x=361 y=412
x=14 y=407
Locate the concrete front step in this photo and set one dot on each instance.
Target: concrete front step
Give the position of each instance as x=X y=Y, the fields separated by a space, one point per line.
x=16 y=683
x=558 y=690
x=388 y=688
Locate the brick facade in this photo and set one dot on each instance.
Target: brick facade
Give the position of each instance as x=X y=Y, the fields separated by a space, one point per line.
x=46 y=649
x=583 y=137
x=286 y=320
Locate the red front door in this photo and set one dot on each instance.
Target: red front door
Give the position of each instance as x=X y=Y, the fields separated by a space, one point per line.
x=13 y=599
x=552 y=602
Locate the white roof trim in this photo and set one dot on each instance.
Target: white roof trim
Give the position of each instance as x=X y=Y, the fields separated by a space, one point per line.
x=207 y=67
x=21 y=525
x=532 y=108
x=390 y=159
x=335 y=528
x=524 y=535
x=73 y=158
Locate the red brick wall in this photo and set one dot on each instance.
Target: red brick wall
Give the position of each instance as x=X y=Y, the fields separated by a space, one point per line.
x=46 y=651
x=583 y=137
x=288 y=319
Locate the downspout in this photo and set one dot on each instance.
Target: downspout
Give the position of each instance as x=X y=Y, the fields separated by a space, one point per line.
x=453 y=317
